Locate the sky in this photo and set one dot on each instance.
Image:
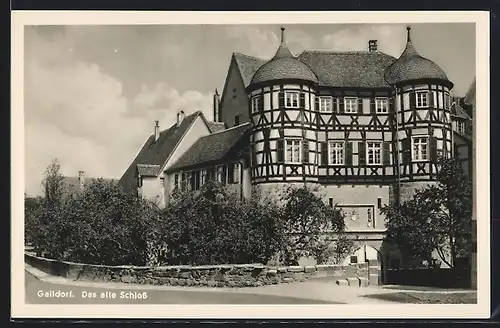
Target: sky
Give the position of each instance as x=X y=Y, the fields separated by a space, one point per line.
x=92 y=93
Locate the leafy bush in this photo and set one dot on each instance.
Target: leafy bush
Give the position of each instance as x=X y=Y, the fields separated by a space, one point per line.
x=103 y=225
x=214 y=226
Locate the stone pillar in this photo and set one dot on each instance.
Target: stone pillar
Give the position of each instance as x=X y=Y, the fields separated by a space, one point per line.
x=374 y=273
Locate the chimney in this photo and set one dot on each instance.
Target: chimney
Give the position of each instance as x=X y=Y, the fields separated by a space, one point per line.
x=81 y=179
x=216 y=106
x=180 y=117
x=372 y=45
x=157 y=131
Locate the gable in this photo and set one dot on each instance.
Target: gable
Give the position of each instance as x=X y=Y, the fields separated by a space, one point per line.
x=234 y=99
x=157 y=152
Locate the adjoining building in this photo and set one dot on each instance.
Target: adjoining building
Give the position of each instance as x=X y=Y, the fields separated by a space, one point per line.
x=364 y=127
x=73 y=185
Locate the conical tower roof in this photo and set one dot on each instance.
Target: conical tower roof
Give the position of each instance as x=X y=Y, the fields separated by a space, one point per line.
x=411 y=66
x=283 y=66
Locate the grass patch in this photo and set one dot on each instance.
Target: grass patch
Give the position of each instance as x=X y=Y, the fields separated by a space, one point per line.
x=427 y=298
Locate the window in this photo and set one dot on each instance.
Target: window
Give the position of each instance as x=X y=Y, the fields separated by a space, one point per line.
x=325 y=104
x=421 y=99
x=237 y=120
x=330 y=201
x=336 y=153
x=447 y=101
x=374 y=153
x=219 y=174
x=292 y=151
x=351 y=105
x=234 y=173
x=195 y=180
x=381 y=105
x=176 y=181
x=354 y=260
x=291 y=99
x=255 y=104
x=461 y=126
x=379 y=202
x=203 y=177
x=419 y=148
x=395 y=264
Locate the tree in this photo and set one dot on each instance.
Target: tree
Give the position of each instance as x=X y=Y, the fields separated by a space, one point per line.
x=342 y=247
x=308 y=223
x=53 y=183
x=438 y=217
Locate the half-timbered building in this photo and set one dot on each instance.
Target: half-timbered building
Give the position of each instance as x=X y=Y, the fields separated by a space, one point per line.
x=364 y=127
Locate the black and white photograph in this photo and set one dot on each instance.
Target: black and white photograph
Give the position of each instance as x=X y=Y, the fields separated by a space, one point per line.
x=250 y=160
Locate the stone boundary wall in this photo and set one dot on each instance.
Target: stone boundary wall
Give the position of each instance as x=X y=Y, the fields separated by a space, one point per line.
x=235 y=275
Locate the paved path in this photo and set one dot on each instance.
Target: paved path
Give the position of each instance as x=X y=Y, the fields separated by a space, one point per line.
x=308 y=292
x=42 y=292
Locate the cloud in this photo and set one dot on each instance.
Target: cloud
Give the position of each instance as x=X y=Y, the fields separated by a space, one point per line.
x=391 y=39
x=76 y=113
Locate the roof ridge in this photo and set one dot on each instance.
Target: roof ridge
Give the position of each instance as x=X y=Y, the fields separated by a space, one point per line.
x=225 y=130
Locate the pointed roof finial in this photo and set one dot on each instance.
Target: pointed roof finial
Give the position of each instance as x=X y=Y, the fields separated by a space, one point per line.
x=408 y=37
x=216 y=91
x=282 y=34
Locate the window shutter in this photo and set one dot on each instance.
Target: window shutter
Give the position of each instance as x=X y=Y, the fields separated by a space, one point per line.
x=391 y=105
x=324 y=153
x=280 y=150
x=405 y=145
x=335 y=108
x=413 y=99
x=387 y=153
x=193 y=181
x=348 y=153
x=305 y=151
x=261 y=102
x=281 y=99
x=302 y=100
x=372 y=106
x=224 y=174
x=254 y=156
x=361 y=153
x=316 y=103
x=433 y=149
x=430 y=99
x=360 y=105
x=341 y=105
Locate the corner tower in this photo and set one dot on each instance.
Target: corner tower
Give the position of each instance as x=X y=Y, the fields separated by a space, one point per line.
x=283 y=136
x=422 y=126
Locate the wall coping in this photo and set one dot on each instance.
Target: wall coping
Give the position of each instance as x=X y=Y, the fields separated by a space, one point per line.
x=196 y=267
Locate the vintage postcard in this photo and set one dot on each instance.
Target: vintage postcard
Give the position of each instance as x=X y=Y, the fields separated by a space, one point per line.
x=250 y=165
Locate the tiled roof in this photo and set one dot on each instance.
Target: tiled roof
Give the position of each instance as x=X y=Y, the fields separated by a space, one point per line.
x=359 y=69
x=247 y=65
x=458 y=110
x=211 y=148
x=157 y=153
x=333 y=69
x=216 y=126
x=284 y=66
x=411 y=66
x=148 y=170
x=72 y=184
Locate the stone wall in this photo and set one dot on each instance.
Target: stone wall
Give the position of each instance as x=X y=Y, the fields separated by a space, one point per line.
x=245 y=275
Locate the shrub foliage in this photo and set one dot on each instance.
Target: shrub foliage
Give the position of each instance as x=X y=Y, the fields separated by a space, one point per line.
x=105 y=225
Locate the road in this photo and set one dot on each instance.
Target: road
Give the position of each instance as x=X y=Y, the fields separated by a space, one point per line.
x=40 y=292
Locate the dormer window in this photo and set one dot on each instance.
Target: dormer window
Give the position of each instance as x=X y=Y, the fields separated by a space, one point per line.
x=291 y=99
x=381 y=105
x=421 y=99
